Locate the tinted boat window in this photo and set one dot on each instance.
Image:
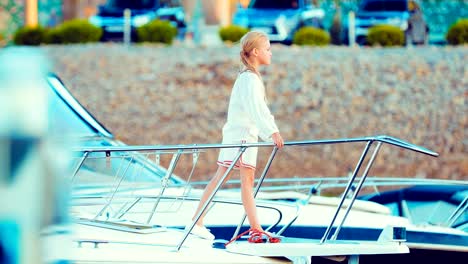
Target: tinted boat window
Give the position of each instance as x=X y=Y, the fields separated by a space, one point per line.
x=277 y=4
x=373 y=6
x=132 y=4
x=434 y=212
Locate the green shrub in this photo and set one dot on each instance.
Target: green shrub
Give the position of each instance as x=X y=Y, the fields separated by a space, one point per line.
x=74 y=31
x=54 y=36
x=458 y=33
x=311 y=36
x=157 y=31
x=232 y=33
x=31 y=36
x=385 y=35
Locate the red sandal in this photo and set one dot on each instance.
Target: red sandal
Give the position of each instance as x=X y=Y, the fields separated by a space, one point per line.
x=257 y=236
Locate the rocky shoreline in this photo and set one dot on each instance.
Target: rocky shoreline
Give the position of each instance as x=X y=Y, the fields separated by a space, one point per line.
x=154 y=94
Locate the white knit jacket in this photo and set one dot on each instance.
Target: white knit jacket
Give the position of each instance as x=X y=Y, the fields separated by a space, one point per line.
x=248 y=113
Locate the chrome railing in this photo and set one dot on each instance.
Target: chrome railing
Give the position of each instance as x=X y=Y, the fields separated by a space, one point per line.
x=177 y=149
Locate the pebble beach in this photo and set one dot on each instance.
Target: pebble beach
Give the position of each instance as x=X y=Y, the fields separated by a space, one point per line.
x=151 y=94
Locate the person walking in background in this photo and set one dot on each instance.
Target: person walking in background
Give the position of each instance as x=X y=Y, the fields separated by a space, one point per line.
x=418 y=31
x=248 y=117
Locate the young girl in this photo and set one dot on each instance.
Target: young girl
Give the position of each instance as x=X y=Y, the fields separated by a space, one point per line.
x=248 y=117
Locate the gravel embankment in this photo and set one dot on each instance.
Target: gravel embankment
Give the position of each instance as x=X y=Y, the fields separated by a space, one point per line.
x=151 y=94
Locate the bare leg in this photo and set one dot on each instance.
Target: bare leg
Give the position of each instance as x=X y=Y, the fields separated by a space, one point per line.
x=247 y=176
x=208 y=190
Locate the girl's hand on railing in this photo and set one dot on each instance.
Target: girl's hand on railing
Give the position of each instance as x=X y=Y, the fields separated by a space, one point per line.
x=277 y=139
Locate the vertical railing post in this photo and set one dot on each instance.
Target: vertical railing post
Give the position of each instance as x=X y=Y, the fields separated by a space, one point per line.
x=78 y=167
x=361 y=181
x=165 y=180
x=115 y=190
x=458 y=212
x=345 y=193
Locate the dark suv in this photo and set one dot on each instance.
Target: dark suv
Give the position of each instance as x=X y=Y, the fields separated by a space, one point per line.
x=280 y=19
x=405 y=14
x=110 y=16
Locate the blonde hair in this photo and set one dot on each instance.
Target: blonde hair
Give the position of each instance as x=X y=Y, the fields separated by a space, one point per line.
x=248 y=42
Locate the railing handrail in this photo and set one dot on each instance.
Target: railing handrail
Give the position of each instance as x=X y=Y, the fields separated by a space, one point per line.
x=380 y=138
x=330 y=182
x=327 y=182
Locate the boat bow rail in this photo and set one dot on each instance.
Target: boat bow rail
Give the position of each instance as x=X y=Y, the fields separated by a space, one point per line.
x=380 y=138
x=302 y=249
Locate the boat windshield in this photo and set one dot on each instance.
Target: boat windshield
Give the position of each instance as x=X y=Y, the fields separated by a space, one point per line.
x=64 y=120
x=68 y=118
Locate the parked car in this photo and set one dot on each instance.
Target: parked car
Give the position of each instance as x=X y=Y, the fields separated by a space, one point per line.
x=110 y=16
x=405 y=14
x=280 y=19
